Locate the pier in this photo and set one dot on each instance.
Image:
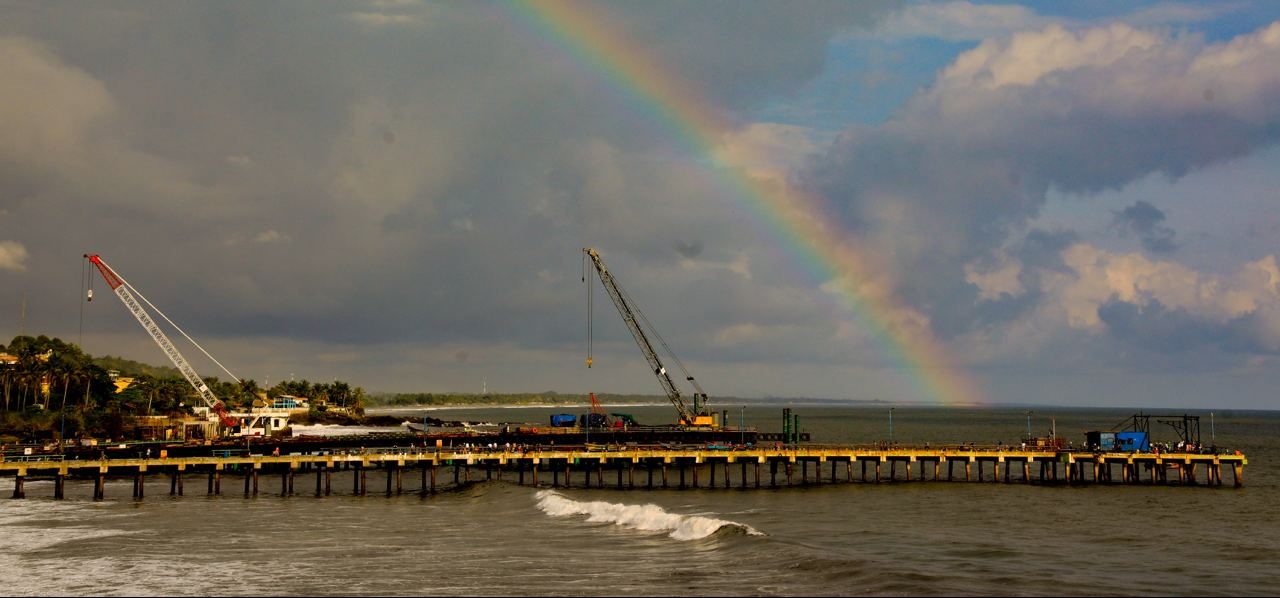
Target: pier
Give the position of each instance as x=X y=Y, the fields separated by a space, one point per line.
x=628 y=468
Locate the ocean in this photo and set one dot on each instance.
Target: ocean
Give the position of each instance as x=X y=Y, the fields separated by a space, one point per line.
x=498 y=538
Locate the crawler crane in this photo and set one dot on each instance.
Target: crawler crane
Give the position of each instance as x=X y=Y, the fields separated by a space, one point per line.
x=698 y=416
x=122 y=289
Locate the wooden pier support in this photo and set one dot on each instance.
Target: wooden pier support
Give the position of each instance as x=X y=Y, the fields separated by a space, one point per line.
x=19 y=489
x=59 y=486
x=100 y=484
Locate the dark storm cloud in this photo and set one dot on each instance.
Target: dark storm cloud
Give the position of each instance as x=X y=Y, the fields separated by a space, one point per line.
x=743 y=52
x=1042 y=249
x=1155 y=327
x=1146 y=221
x=369 y=173
x=689 y=249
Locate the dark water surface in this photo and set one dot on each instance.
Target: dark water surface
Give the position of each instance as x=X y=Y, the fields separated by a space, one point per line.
x=502 y=539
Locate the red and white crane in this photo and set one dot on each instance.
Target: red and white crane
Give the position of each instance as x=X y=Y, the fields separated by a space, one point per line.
x=126 y=293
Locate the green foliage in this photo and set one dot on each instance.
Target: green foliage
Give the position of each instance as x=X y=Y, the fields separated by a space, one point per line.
x=131 y=368
x=54 y=385
x=542 y=398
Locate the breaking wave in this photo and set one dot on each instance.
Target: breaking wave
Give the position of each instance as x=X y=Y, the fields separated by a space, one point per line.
x=650 y=517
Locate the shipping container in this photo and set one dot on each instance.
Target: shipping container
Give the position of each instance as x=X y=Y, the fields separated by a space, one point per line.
x=1132 y=441
x=564 y=420
x=1100 y=440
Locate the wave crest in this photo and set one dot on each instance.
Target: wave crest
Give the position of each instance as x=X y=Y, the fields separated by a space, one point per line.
x=647 y=517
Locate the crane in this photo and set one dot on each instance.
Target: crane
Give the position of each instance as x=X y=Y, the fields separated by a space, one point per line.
x=122 y=290
x=698 y=416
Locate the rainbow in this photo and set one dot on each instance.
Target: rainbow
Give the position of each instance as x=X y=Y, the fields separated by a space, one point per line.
x=796 y=217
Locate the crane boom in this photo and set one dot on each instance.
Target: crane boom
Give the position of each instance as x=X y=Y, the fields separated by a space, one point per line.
x=687 y=416
x=121 y=289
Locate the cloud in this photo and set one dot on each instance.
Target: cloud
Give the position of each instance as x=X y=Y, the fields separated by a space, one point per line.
x=389 y=195
x=1145 y=220
x=689 y=249
x=960 y=21
x=1159 y=306
x=968 y=163
x=966 y=21
x=1157 y=328
x=767 y=149
x=13 y=256
x=271 y=235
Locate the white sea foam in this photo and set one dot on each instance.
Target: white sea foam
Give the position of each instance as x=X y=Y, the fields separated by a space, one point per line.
x=648 y=517
x=339 y=430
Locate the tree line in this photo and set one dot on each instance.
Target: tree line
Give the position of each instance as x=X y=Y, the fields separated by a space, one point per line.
x=52 y=388
x=537 y=398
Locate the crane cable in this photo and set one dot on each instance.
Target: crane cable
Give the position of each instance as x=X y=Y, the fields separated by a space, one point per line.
x=585 y=274
x=176 y=327
x=636 y=308
x=86 y=284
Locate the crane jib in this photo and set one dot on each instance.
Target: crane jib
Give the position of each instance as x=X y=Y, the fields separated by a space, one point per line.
x=637 y=332
x=165 y=344
x=121 y=289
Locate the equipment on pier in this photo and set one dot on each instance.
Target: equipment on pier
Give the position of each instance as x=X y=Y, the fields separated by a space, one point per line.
x=632 y=316
x=126 y=293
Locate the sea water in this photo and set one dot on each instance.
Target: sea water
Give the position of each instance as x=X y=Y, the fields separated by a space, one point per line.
x=498 y=538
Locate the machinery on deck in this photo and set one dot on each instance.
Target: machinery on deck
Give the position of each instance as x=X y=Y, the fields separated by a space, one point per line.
x=632 y=316
x=125 y=292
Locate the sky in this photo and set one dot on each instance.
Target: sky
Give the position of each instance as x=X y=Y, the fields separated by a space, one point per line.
x=940 y=203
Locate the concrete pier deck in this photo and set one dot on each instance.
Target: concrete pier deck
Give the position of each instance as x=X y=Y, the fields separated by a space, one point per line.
x=770 y=467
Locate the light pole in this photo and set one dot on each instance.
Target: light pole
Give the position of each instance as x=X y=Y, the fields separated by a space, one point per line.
x=891 y=425
x=742 y=432
x=1029 y=424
